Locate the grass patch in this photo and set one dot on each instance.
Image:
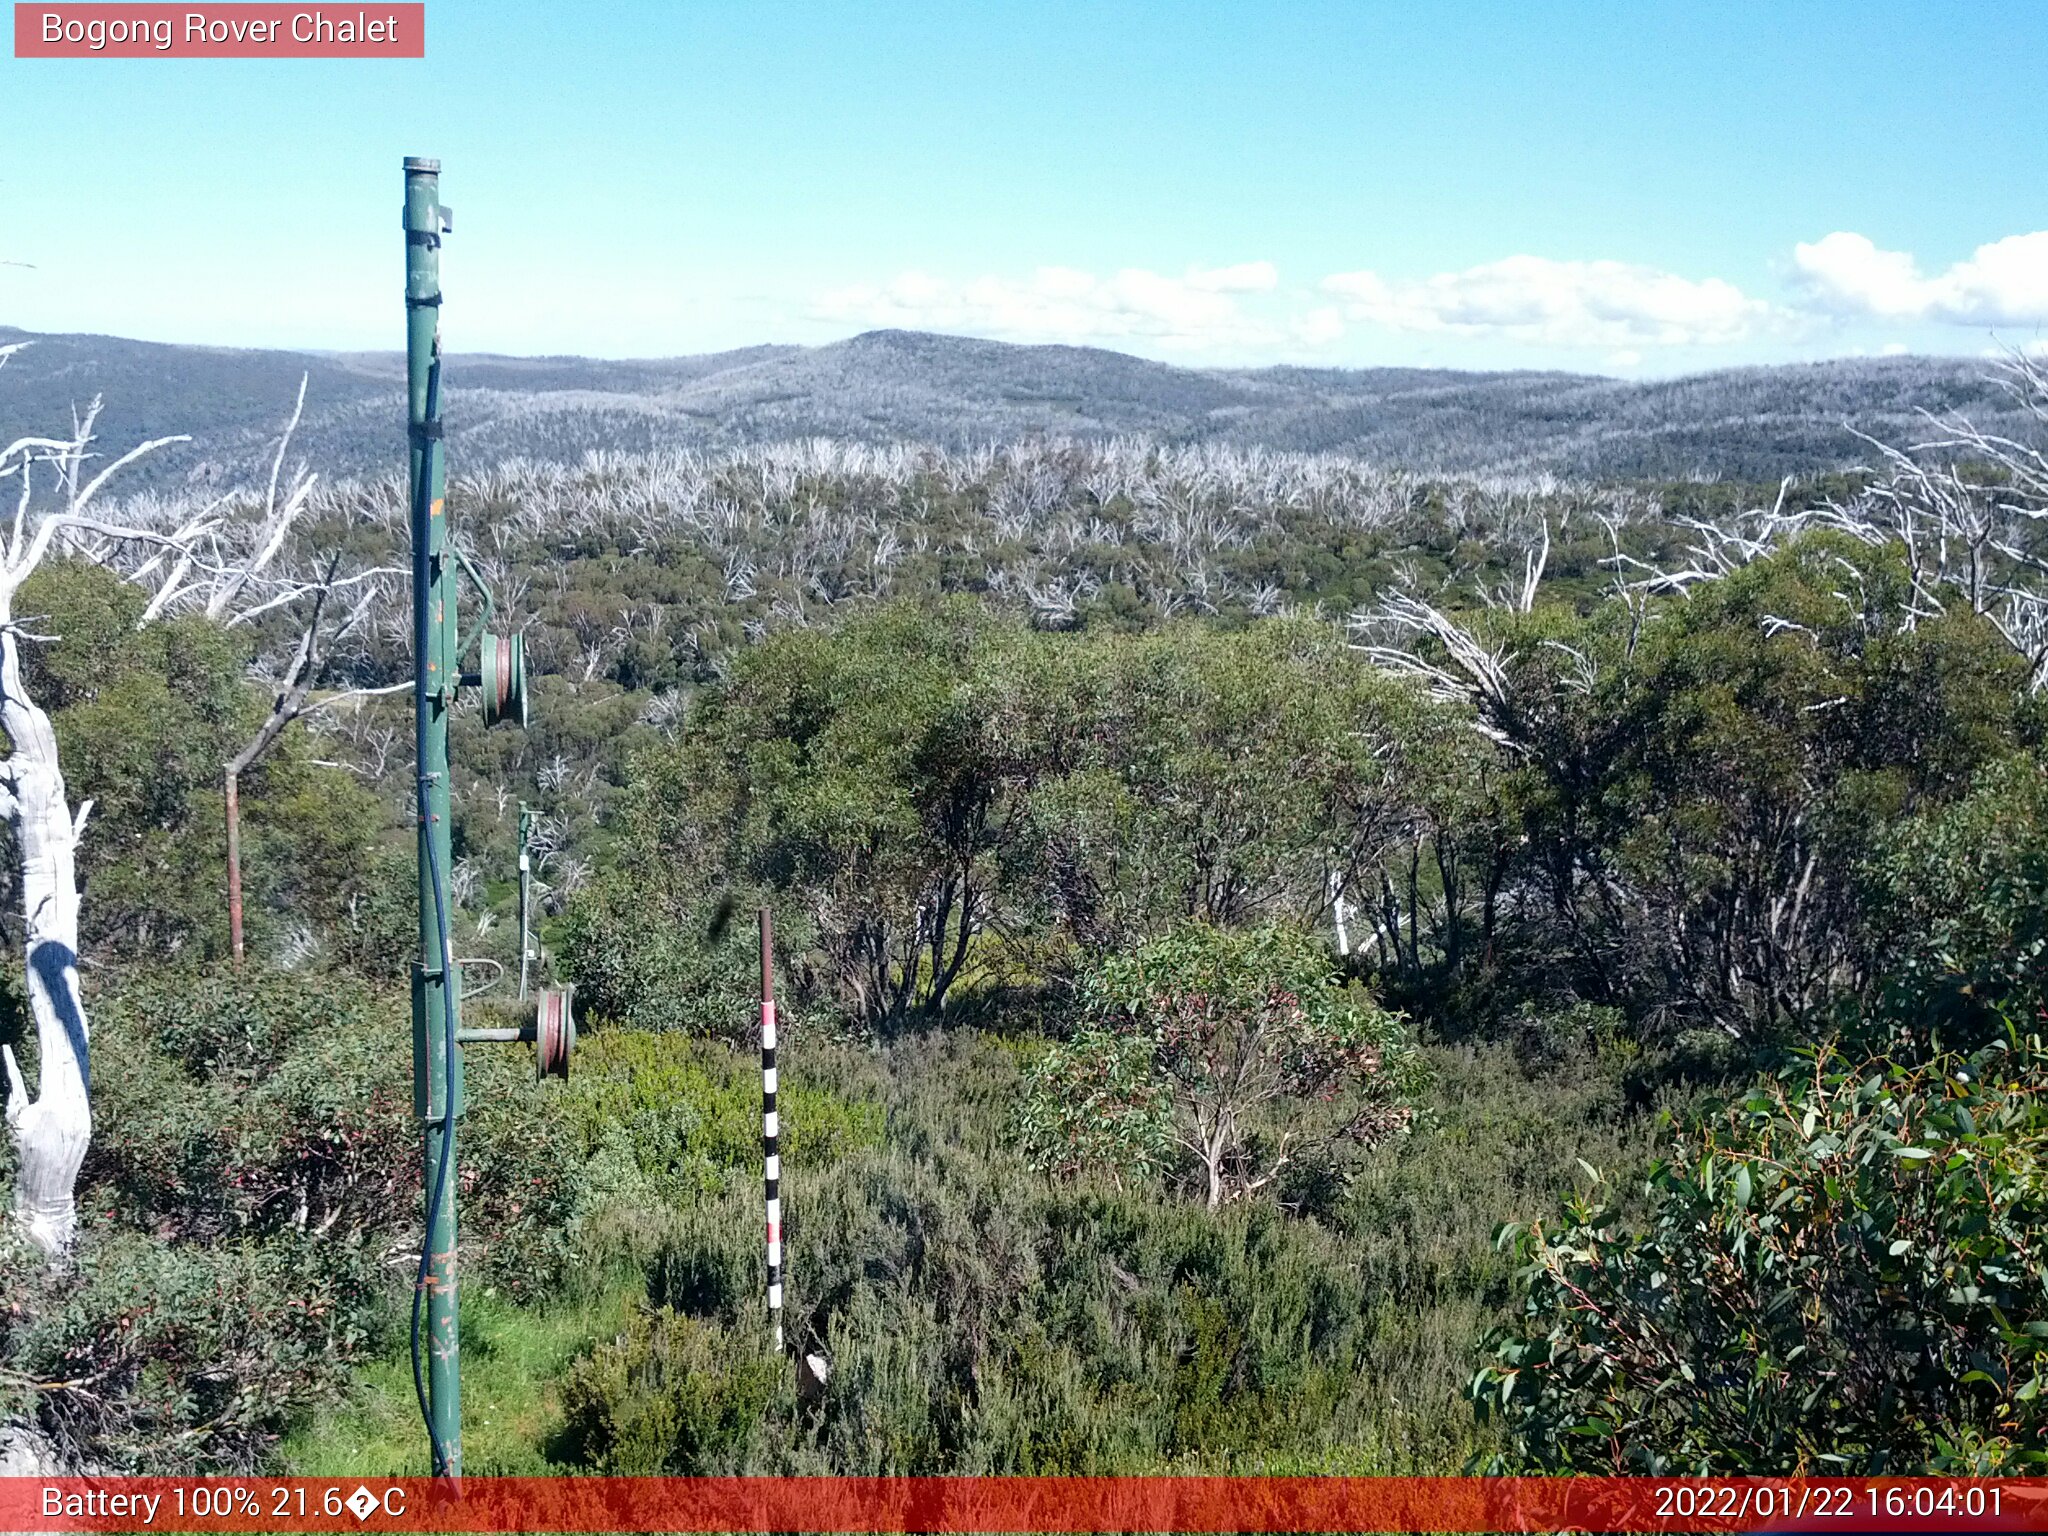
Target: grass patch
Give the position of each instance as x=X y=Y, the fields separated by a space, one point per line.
x=513 y=1359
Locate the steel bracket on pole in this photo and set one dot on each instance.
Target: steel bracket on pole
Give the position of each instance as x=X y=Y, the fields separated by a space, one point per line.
x=483 y=589
x=426 y=1101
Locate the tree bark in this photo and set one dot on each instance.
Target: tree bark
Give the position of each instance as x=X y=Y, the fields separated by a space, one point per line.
x=51 y=1131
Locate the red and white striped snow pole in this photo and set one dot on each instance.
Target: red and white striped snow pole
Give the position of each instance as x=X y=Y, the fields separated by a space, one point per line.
x=771 y=1157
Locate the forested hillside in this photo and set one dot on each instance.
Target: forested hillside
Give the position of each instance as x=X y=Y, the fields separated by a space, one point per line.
x=888 y=387
x=1290 y=962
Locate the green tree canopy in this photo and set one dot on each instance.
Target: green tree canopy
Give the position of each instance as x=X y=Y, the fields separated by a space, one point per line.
x=1238 y=1051
x=146 y=717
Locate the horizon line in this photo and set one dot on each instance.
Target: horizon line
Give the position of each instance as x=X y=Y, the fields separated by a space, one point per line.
x=1025 y=346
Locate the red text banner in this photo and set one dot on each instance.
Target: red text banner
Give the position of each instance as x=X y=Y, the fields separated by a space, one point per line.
x=240 y=31
x=1053 y=1504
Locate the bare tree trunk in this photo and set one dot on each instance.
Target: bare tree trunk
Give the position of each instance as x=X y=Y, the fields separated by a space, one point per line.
x=52 y=1130
x=1215 y=1146
x=290 y=703
x=234 y=797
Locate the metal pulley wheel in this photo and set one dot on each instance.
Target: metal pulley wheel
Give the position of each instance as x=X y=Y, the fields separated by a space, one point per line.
x=501 y=673
x=554 y=1033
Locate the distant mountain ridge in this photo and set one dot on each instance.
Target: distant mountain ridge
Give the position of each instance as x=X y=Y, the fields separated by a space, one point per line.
x=1747 y=423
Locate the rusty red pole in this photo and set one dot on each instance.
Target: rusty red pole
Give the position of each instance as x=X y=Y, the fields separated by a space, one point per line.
x=234 y=864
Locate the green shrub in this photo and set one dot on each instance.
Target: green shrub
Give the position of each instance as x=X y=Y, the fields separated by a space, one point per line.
x=1239 y=1050
x=685 y=1112
x=377 y=932
x=521 y=1170
x=190 y=1356
x=246 y=1101
x=644 y=957
x=670 y=1395
x=250 y=1102
x=978 y=1320
x=1839 y=1273
x=1097 y=1103
x=1958 y=901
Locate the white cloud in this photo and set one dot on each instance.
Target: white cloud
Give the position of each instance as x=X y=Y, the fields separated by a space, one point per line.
x=1621 y=312
x=2003 y=283
x=1198 y=310
x=1848 y=272
x=1319 y=327
x=1609 y=304
x=1245 y=277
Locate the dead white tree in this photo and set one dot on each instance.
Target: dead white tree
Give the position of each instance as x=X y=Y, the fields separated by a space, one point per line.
x=330 y=608
x=1470 y=672
x=1966 y=509
x=1969 y=510
x=52 y=1129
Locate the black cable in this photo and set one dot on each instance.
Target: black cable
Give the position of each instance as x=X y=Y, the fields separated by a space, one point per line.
x=442 y=1169
x=423 y=500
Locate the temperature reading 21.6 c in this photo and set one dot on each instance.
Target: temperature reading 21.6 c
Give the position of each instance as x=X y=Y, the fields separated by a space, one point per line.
x=217 y=1499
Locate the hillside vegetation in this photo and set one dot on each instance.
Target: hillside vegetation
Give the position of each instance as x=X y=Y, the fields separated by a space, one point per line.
x=889 y=387
x=1289 y=964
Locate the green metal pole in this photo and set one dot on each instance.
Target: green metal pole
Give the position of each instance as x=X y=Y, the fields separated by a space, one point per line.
x=436 y=993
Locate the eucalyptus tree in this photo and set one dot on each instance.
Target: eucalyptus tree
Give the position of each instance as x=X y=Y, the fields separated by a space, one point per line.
x=1234 y=1052
x=1696 y=765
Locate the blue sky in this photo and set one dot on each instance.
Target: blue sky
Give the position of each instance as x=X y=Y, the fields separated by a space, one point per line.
x=1627 y=188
